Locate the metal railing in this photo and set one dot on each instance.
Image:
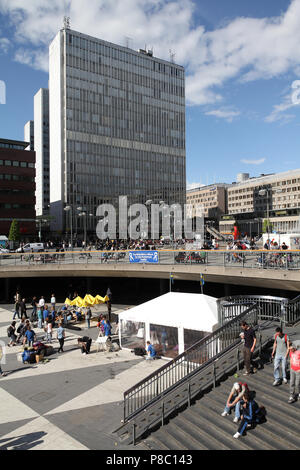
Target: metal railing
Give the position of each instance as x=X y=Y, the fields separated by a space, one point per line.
x=281 y=308
x=250 y=259
x=184 y=365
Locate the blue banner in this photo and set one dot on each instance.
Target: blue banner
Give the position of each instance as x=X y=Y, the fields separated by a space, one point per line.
x=143 y=257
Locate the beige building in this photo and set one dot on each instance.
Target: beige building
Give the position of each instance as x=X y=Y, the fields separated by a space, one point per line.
x=275 y=197
x=208 y=201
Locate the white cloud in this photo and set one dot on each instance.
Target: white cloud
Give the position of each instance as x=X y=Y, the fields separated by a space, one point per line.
x=4 y=45
x=223 y=114
x=279 y=110
x=244 y=49
x=259 y=161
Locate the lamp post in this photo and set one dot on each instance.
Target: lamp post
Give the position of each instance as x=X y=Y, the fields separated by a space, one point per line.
x=267 y=191
x=83 y=214
x=69 y=209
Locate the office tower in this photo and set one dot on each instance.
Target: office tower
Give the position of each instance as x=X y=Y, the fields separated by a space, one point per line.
x=17 y=187
x=29 y=134
x=41 y=147
x=117 y=122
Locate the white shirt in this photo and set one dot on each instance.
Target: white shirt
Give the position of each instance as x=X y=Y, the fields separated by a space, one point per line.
x=53 y=300
x=41 y=302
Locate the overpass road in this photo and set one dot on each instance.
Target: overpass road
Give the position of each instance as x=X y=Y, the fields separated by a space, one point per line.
x=277 y=270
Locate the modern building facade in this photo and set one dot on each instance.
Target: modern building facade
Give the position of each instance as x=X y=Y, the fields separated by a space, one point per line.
x=29 y=134
x=274 y=197
x=41 y=147
x=209 y=200
x=17 y=187
x=117 y=127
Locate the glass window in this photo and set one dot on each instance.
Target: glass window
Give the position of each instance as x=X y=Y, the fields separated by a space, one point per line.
x=164 y=340
x=132 y=334
x=15 y=163
x=7 y=163
x=23 y=164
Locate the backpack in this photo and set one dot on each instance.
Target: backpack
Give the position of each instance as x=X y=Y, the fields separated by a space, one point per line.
x=139 y=351
x=245 y=385
x=285 y=338
x=9 y=331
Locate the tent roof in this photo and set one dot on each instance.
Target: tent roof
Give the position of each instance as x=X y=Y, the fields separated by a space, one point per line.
x=191 y=311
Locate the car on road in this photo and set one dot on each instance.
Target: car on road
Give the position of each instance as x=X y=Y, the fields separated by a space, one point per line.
x=31 y=247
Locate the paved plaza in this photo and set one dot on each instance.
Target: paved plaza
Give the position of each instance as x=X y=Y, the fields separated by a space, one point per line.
x=73 y=401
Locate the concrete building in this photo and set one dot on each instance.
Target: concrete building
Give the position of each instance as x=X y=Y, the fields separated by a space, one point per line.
x=17 y=187
x=275 y=197
x=29 y=135
x=117 y=121
x=209 y=200
x=41 y=147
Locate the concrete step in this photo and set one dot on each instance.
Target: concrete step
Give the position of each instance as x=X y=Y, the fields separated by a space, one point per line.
x=170 y=439
x=204 y=429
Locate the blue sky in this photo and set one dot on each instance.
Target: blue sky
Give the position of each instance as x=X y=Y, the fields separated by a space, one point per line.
x=241 y=59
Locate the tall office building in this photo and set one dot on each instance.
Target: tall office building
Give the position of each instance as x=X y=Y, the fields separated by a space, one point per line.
x=29 y=135
x=41 y=147
x=117 y=126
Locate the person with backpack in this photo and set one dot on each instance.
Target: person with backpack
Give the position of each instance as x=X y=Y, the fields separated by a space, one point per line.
x=280 y=353
x=294 y=373
x=11 y=333
x=250 y=414
x=234 y=400
x=21 y=329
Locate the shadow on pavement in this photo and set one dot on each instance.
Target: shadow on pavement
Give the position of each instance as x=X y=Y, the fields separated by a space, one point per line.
x=25 y=442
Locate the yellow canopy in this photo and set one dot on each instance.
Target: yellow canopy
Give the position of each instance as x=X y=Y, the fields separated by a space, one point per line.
x=87 y=301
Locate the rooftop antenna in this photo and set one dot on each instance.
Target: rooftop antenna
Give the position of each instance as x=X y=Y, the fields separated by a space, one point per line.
x=127 y=41
x=172 y=55
x=66 y=22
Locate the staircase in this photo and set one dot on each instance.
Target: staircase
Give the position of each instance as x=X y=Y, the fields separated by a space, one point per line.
x=201 y=426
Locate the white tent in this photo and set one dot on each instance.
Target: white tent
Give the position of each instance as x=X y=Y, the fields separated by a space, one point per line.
x=185 y=317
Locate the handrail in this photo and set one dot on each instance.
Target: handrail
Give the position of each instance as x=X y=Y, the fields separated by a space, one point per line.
x=184 y=365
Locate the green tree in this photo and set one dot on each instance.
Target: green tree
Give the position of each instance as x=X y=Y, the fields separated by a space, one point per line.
x=265 y=227
x=14 y=231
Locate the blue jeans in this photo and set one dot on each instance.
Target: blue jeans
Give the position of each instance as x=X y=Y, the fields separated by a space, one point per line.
x=279 y=359
x=237 y=410
x=88 y=321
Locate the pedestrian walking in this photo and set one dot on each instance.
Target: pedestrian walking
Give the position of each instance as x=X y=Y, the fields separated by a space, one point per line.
x=294 y=373
x=17 y=299
x=11 y=333
x=2 y=374
x=49 y=330
x=53 y=301
x=29 y=336
x=249 y=346
x=34 y=309
x=23 y=308
x=40 y=317
x=280 y=353
x=88 y=316
x=61 y=337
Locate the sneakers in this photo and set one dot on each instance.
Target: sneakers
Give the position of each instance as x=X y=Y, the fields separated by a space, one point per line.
x=236 y=419
x=291 y=399
x=224 y=413
x=236 y=435
x=276 y=382
x=285 y=381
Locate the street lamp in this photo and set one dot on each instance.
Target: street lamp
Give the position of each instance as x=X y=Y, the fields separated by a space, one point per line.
x=69 y=209
x=264 y=192
x=83 y=214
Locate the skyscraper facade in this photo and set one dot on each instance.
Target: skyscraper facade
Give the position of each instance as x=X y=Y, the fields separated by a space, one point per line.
x=41 y=147
x=117 y=126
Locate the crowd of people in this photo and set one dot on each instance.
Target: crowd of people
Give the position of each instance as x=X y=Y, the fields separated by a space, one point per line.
x=241 y=400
